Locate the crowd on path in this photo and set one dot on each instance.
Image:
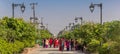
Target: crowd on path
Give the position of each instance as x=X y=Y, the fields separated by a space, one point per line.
x=61 y=43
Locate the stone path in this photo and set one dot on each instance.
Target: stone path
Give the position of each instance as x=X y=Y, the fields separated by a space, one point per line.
x=52 y=51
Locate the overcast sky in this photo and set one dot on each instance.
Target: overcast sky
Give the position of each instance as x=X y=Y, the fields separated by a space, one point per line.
x=59 y=13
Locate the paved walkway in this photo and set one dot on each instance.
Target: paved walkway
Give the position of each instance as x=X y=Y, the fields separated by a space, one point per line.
x=52 y=51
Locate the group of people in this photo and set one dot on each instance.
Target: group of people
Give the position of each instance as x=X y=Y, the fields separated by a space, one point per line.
x=49 y=42
x=69 y=44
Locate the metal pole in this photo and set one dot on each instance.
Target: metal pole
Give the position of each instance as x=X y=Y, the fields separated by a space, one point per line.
x=46 y=26
x=42 y=21
x=34 y=12
x=99 y=5
x=81 y=21
x=33 y=7
x=13 y=10
x=15 y=5
x=101 y=13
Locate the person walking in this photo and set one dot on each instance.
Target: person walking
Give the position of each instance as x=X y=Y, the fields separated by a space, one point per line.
x=63 y=44
x=46 y=43
x=43 y=43
x=72 y=44
x=56 y=43
x=60 y=44
x=67 y=44
x=50 y=42
x=76 y=44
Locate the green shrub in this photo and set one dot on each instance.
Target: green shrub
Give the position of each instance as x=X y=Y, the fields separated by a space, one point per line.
x=15 y=35
x=103 y=38
x=93 y=45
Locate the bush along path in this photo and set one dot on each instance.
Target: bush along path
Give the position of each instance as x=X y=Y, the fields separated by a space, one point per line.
x=15 y=35
x=96 y=38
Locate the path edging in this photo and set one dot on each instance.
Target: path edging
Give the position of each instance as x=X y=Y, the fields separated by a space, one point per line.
x=28 y=50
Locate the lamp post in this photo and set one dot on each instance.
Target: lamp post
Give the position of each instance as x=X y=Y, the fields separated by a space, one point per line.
x=42 y=24
x=66 y=27
x=46 y=26
x=72 y=27
x=22 y=6
x=69 y=26
x=33 y=8
x=92 y=6
x=42 y=27
x=77 y=18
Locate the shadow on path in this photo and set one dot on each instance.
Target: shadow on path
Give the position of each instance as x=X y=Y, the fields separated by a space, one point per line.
x=49 y=50
x=54 y=51
x=63 y=53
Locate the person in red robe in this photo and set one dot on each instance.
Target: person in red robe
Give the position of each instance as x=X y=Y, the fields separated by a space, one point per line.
x=56 y=43
x=50 y=42
x=60 y=46
x=67 y=44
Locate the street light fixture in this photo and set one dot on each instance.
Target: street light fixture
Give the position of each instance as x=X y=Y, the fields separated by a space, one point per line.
x=42 y=27
x=92 y=7
x=72 y=26
x=22 y=6
x=66 y=27
x=46 y=26
x=77 y=18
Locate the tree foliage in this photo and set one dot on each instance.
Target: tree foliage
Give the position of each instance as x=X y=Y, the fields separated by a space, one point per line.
x=16 y=34
x=99 y=38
